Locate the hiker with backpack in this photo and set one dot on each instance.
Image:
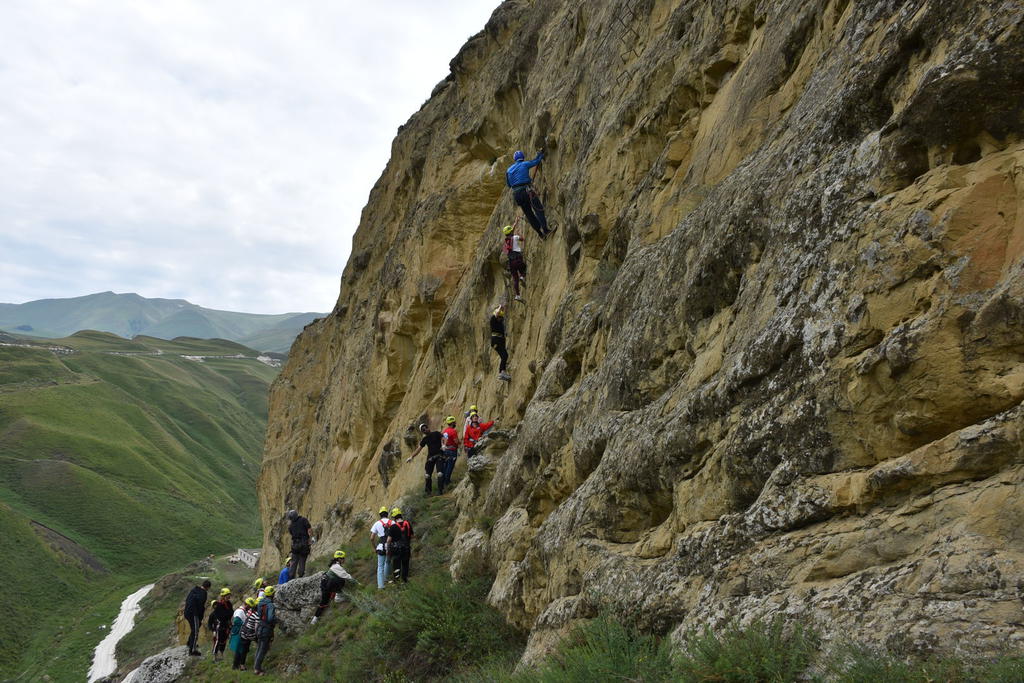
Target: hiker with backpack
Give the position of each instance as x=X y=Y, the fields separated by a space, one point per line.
x=299 y=528
x=512 y=247
x=378 y=533
x=498 y=341
x=219 y=622
x=243 y=632
x=450 y=452
x=432 y=442
x=399 y=543
x=264 y=629
x=331 y=583
x=474 y=432
x=518 y=178
x=195 y=607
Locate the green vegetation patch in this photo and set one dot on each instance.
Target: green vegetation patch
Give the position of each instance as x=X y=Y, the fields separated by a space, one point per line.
x=122 y=463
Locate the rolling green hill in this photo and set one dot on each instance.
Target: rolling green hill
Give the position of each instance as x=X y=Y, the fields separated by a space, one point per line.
x=128 y=315
x=119 y=461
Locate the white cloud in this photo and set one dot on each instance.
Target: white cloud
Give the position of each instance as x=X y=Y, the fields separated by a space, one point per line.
x=219 y=151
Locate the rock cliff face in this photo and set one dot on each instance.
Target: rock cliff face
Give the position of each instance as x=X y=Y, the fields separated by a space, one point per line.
x=772 y=362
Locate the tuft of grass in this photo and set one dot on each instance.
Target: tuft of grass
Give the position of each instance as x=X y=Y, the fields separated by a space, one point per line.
x=606 y=649
x=760 y=652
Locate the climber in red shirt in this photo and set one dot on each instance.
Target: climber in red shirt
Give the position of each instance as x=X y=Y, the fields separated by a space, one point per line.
x=450 y=451
x=474 y=431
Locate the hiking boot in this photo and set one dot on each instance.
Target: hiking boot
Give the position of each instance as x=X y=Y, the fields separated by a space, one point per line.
x=315 y=619
x=195 y=653
x=518 y=298
x=504 y=376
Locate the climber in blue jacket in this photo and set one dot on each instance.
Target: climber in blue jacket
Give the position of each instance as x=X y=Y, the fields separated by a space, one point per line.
x=518 y=178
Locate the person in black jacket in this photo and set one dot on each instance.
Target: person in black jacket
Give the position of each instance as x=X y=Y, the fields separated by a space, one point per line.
x=219 y=622
x=498 y=341
x=195 y=606
x=332 y=581
x=399 y=543
x=299 y=527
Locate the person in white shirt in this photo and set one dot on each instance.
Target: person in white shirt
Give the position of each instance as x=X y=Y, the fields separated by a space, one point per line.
x=513 y=248
x=377 y=533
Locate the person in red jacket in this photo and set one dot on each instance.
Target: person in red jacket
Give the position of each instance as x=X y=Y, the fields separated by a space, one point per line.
x=450 y=451
x=474 y=432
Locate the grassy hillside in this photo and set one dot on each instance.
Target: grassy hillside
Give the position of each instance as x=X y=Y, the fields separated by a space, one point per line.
x=119 y=460
x=128 y=315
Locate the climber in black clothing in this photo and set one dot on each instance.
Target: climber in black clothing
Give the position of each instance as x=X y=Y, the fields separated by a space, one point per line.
x=299 y=528
x=331 y=582
x=498 y=341
x=220 y=622
x=195 y=606
x=432 y=442
x=398 y=544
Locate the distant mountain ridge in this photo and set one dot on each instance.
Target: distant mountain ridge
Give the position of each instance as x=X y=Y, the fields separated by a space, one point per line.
x=128 y=315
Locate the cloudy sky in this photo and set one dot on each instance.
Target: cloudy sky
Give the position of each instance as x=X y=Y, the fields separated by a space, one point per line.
x=214 y=150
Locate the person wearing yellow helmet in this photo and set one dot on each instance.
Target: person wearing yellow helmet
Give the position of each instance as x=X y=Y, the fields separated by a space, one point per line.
x=267 y=620
x=377 y=533
x=239 y=646
x=512 y=247
x=286 y=572
x=332 y=581
x=399 y=543
x=195 y=606
x=219 y=622
x=498 y=341
x=450 y=452
x=258 y=586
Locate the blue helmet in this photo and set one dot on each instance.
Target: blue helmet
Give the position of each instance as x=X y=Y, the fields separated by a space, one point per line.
x=518 y=156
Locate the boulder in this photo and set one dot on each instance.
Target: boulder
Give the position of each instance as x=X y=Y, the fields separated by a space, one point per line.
x=297 y=600
x=164 y=667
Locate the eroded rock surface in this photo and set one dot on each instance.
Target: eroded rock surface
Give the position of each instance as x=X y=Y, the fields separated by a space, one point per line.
x=771 y=362
x=164 y=667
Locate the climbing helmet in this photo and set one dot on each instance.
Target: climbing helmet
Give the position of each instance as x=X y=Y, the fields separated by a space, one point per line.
x=518 y=155
x=339 y=554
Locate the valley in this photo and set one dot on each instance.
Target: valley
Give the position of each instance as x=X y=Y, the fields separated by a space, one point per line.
x=120 y=460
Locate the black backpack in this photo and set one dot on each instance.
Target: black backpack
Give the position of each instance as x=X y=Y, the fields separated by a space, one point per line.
x=401 y=534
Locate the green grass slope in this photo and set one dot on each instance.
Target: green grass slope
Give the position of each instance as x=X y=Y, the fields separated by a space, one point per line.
x=128 y=315
x=119 y=461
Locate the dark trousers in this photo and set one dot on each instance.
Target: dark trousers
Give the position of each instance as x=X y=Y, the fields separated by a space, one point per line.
x=400 y=558
x=498 y=344
x=262 y=648
x=241 y=653
x=220 y=640
x=433 y=461
x=447 y=463
x=532 y=208
x=327 y=591
x=516 y=268
x=298 y=564
x=193 y=632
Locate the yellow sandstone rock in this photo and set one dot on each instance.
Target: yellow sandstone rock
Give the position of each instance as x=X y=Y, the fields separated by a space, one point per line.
x=772 y=362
